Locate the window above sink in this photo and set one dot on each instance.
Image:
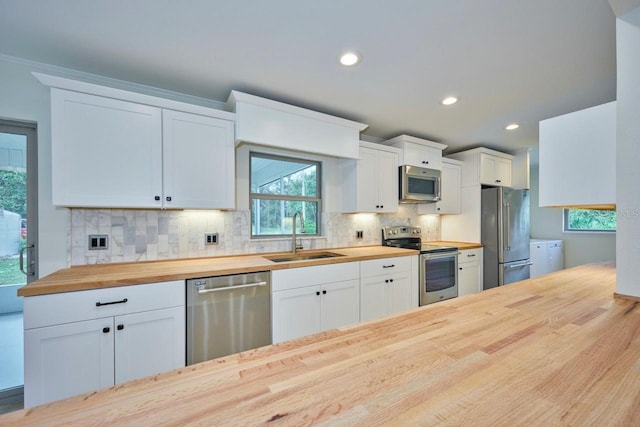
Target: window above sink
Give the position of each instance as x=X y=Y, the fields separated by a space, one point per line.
x=279 y=187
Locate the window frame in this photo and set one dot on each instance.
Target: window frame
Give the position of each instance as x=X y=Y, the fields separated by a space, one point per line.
x=281 y=197
x=566 y=229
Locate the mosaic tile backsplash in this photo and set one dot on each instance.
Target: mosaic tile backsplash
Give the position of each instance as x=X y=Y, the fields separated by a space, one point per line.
x=140 y=235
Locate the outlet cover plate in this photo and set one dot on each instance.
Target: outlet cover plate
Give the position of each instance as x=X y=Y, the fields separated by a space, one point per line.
x=98 y=242
x=210 y=239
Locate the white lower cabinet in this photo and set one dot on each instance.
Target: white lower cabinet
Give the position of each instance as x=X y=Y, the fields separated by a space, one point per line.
x=546 y=256
x=469 y=271
x=307 y=300
x=77 y=342
x=386 y=287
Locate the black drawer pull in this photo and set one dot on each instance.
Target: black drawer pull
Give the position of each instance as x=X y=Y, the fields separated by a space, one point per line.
x=120 y=327
x=388 y=266
x=100 y=304
x=106 y=330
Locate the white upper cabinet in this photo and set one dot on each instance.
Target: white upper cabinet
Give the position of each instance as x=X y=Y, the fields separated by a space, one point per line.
x=578 y=158
x=198 y=166
x=418 y=152
x=370 y=184
x=275 y=124
x=485 y=166
x=450 y=190
x=105 y=152
x=109 y=151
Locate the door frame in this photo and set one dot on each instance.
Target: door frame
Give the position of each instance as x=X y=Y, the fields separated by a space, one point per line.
x=30 y=130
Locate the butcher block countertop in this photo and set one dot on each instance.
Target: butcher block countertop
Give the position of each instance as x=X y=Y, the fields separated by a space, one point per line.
x=108 y=275
x=459 y=245
x=555 y=350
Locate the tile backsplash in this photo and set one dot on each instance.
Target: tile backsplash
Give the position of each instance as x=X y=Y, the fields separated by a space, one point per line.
x=140 y=235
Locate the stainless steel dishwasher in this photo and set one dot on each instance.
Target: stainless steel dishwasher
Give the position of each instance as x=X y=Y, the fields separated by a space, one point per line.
x=227 y=314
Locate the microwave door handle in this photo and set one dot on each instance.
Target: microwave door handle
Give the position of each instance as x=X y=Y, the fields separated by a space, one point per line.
x=437 y=195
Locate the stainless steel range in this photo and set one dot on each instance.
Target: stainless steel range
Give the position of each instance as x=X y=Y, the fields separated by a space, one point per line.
x=438 y=273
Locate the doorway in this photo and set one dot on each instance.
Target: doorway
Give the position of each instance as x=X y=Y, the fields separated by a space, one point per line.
x=18 y=250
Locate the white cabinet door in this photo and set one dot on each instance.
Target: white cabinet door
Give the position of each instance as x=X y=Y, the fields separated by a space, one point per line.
x=69 y=359
x=495 y=170
x=503 y=172
x=555 y=258
x=387 y=181
x=105 y=152
x=399 y=293
x=373 y=297
x=198 y=161
x=422 y=156
x=538 y=255
x=469 y=271
x=340 y=305
x=468 y=278
x=295 y=313
x=370 y=184
x=367 y=187
x=148 y=343
x=450 y=192
x=385 y=295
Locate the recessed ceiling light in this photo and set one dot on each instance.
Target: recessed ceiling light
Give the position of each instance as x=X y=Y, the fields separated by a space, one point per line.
x=449 y=100
x=512 y=126
x=349 y=59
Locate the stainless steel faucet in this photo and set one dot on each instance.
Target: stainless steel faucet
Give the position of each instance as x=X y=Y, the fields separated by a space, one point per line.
x=294 y=246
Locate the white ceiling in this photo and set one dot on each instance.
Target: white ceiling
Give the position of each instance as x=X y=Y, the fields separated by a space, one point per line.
x=507 y=60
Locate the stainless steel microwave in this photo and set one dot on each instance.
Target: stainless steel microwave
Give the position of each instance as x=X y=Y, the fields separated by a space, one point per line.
x=419 y=185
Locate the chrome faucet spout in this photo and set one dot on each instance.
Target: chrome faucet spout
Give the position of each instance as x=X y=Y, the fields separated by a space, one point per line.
x=294 y=246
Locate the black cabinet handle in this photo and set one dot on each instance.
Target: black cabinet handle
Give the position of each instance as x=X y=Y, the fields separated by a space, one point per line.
x=318 y=293
x=425 y=162
x=460 y=268
x=388 y=266
x=106 y=330
x=120 y=327
x=381 y=206
x=100 y=304
x=168 y=198
x=391 y=280
x=324 y=292
x=497 y=180
x=386 y=280
x=156 y=198
x=377 y=206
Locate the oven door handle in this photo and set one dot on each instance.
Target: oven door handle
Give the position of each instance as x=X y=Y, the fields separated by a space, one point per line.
x=440 y=255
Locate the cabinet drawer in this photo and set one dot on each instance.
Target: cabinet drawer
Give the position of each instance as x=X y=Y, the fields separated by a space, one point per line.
x=377 y=267
x=292 y=278
x=469 y=255
x=54 y=309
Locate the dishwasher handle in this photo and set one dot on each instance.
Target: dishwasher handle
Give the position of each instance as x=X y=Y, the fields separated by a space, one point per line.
x=230 y=288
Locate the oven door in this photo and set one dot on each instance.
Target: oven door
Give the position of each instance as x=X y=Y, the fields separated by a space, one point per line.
x=438 y=276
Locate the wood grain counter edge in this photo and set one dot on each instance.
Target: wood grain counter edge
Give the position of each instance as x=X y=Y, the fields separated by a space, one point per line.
x=87 y=277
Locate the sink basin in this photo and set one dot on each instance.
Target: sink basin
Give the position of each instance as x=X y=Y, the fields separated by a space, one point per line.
x=303 y=256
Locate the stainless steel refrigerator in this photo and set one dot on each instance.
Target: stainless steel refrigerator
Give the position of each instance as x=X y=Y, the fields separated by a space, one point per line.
x=505 y=235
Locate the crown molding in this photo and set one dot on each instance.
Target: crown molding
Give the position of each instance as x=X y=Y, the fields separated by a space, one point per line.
x=114 y=83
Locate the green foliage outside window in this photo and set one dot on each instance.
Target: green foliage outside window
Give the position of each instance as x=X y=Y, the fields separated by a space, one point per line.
x=589 y=220
x=13 y=191
x=280 y=187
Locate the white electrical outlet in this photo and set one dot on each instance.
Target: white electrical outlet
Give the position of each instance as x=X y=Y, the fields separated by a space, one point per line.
x=210 y=239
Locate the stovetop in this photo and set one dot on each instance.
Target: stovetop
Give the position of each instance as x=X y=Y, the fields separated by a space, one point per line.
x=409 y=237
x=430 y=248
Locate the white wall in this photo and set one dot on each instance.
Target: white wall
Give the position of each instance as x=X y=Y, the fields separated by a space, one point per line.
x=579 y=248
x=628 y=153
x=25 y=99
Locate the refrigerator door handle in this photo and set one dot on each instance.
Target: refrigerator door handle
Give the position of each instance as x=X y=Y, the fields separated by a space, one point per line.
x=524 y=264
x=508 y=226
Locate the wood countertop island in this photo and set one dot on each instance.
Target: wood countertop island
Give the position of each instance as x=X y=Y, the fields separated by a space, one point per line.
x=554 y=350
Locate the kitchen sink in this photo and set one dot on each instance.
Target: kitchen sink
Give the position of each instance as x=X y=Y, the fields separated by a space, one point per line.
x=303 y=256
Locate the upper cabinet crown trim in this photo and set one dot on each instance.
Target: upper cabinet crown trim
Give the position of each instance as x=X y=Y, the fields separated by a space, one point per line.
x=413 y=139
x=125 y=95
x=236 y=97
x=486 y=151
